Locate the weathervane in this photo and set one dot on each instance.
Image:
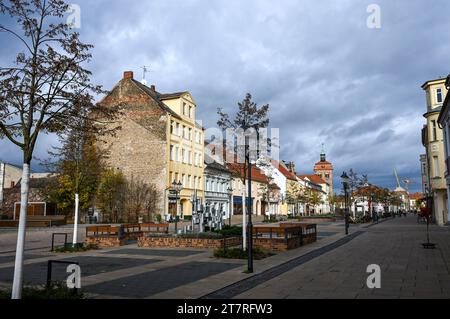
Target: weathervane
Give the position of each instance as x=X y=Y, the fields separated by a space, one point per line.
x=146 y=69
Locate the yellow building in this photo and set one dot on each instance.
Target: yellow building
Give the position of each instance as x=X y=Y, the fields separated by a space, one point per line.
x=433 y=141
x=186 y=149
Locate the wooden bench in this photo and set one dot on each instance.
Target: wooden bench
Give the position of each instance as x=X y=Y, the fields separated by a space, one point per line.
x=103 y=231
x=153 y=228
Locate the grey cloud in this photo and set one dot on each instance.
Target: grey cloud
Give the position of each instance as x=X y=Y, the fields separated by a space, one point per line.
x=328 y=78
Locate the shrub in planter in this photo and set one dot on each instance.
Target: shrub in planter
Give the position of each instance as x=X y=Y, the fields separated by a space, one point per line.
x=69 y=248
x=57 y=290
x=232 y=231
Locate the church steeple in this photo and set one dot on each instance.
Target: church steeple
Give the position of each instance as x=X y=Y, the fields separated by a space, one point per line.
x=323 y=156
x=324 y=169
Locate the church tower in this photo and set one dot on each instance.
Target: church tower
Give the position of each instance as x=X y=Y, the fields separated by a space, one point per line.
x=324 y=169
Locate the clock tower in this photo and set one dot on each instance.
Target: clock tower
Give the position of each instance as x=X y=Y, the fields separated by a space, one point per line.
x=324 y=169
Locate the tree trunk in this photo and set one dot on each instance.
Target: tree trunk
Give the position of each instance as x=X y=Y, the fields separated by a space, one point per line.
x=75 y=221
x=18 y=268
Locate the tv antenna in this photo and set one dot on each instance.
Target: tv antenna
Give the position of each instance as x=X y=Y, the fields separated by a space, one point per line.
x=145 y=70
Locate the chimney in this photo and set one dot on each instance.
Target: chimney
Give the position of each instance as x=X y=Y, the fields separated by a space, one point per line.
x=153 y=87
x=292 y=167
x=128 y=75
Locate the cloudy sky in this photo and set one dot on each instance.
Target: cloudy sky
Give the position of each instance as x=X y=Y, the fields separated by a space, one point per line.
x=327 y=77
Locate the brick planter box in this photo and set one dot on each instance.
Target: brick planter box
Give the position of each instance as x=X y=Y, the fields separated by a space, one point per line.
x=179 y=242
x=281 y=244
x=106 y=242
x=317 y=220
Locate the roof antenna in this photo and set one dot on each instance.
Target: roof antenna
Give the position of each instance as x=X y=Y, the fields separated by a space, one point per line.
x=146 y=69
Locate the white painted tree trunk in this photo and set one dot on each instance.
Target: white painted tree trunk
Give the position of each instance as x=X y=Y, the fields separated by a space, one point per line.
x=244 y=221
x=75 y=222
x=18 y=268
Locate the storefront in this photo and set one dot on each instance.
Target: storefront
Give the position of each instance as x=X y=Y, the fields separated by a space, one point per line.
x=237 y=204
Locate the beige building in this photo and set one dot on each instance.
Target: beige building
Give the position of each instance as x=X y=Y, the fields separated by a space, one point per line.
x=433 y=141
x=444 y=122
x=10 y=175
x=159 y=142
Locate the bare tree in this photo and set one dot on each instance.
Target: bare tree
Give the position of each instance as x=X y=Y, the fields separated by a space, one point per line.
x=140 y=200
x=43 y=90
x=247 y=125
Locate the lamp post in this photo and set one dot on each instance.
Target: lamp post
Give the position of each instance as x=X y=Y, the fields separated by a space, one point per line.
x=230 y=194
x=345 y=180
x=249 y=208
x=177 y=187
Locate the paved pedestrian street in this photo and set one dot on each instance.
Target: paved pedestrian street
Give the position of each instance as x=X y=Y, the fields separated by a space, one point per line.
x=333 y=267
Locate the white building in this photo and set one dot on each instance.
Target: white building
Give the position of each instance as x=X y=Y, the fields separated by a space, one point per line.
x=444 y=123
x=217 y=199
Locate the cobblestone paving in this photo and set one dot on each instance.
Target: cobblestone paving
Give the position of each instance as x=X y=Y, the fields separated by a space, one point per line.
x=247 y=284
x=149 y=283
x=154 y=252
x=407 y=270
x=12 y=258
x=36 y=273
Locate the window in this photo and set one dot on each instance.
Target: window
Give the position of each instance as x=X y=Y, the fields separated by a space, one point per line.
x=436 y=166
x=189 y=181
x=171 y=153
x=184 y=109
x=176 y=177
x=172 y=127
x=327 y=175
x=195 y=159
x=200 y=183
x=183 y=156
x=178 y=129
x=439 y=98
x=190 y=111
x=434 y=130
x=195 y=181
x=175 y=154
x=190 y=157
x=190 y=134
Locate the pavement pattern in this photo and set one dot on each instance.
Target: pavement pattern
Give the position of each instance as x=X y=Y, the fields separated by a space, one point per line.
x=333 y=267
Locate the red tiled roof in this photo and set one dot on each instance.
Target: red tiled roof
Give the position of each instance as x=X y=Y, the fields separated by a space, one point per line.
x=283 y=170
x=257 y=174
x=313 y=178
x=416 y=196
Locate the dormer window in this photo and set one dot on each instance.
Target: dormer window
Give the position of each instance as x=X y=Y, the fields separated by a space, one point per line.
x=439 y=97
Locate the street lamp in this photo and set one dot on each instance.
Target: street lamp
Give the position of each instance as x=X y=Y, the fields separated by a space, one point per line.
x=345 y=181
x=230 y=194
x=177 y=187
